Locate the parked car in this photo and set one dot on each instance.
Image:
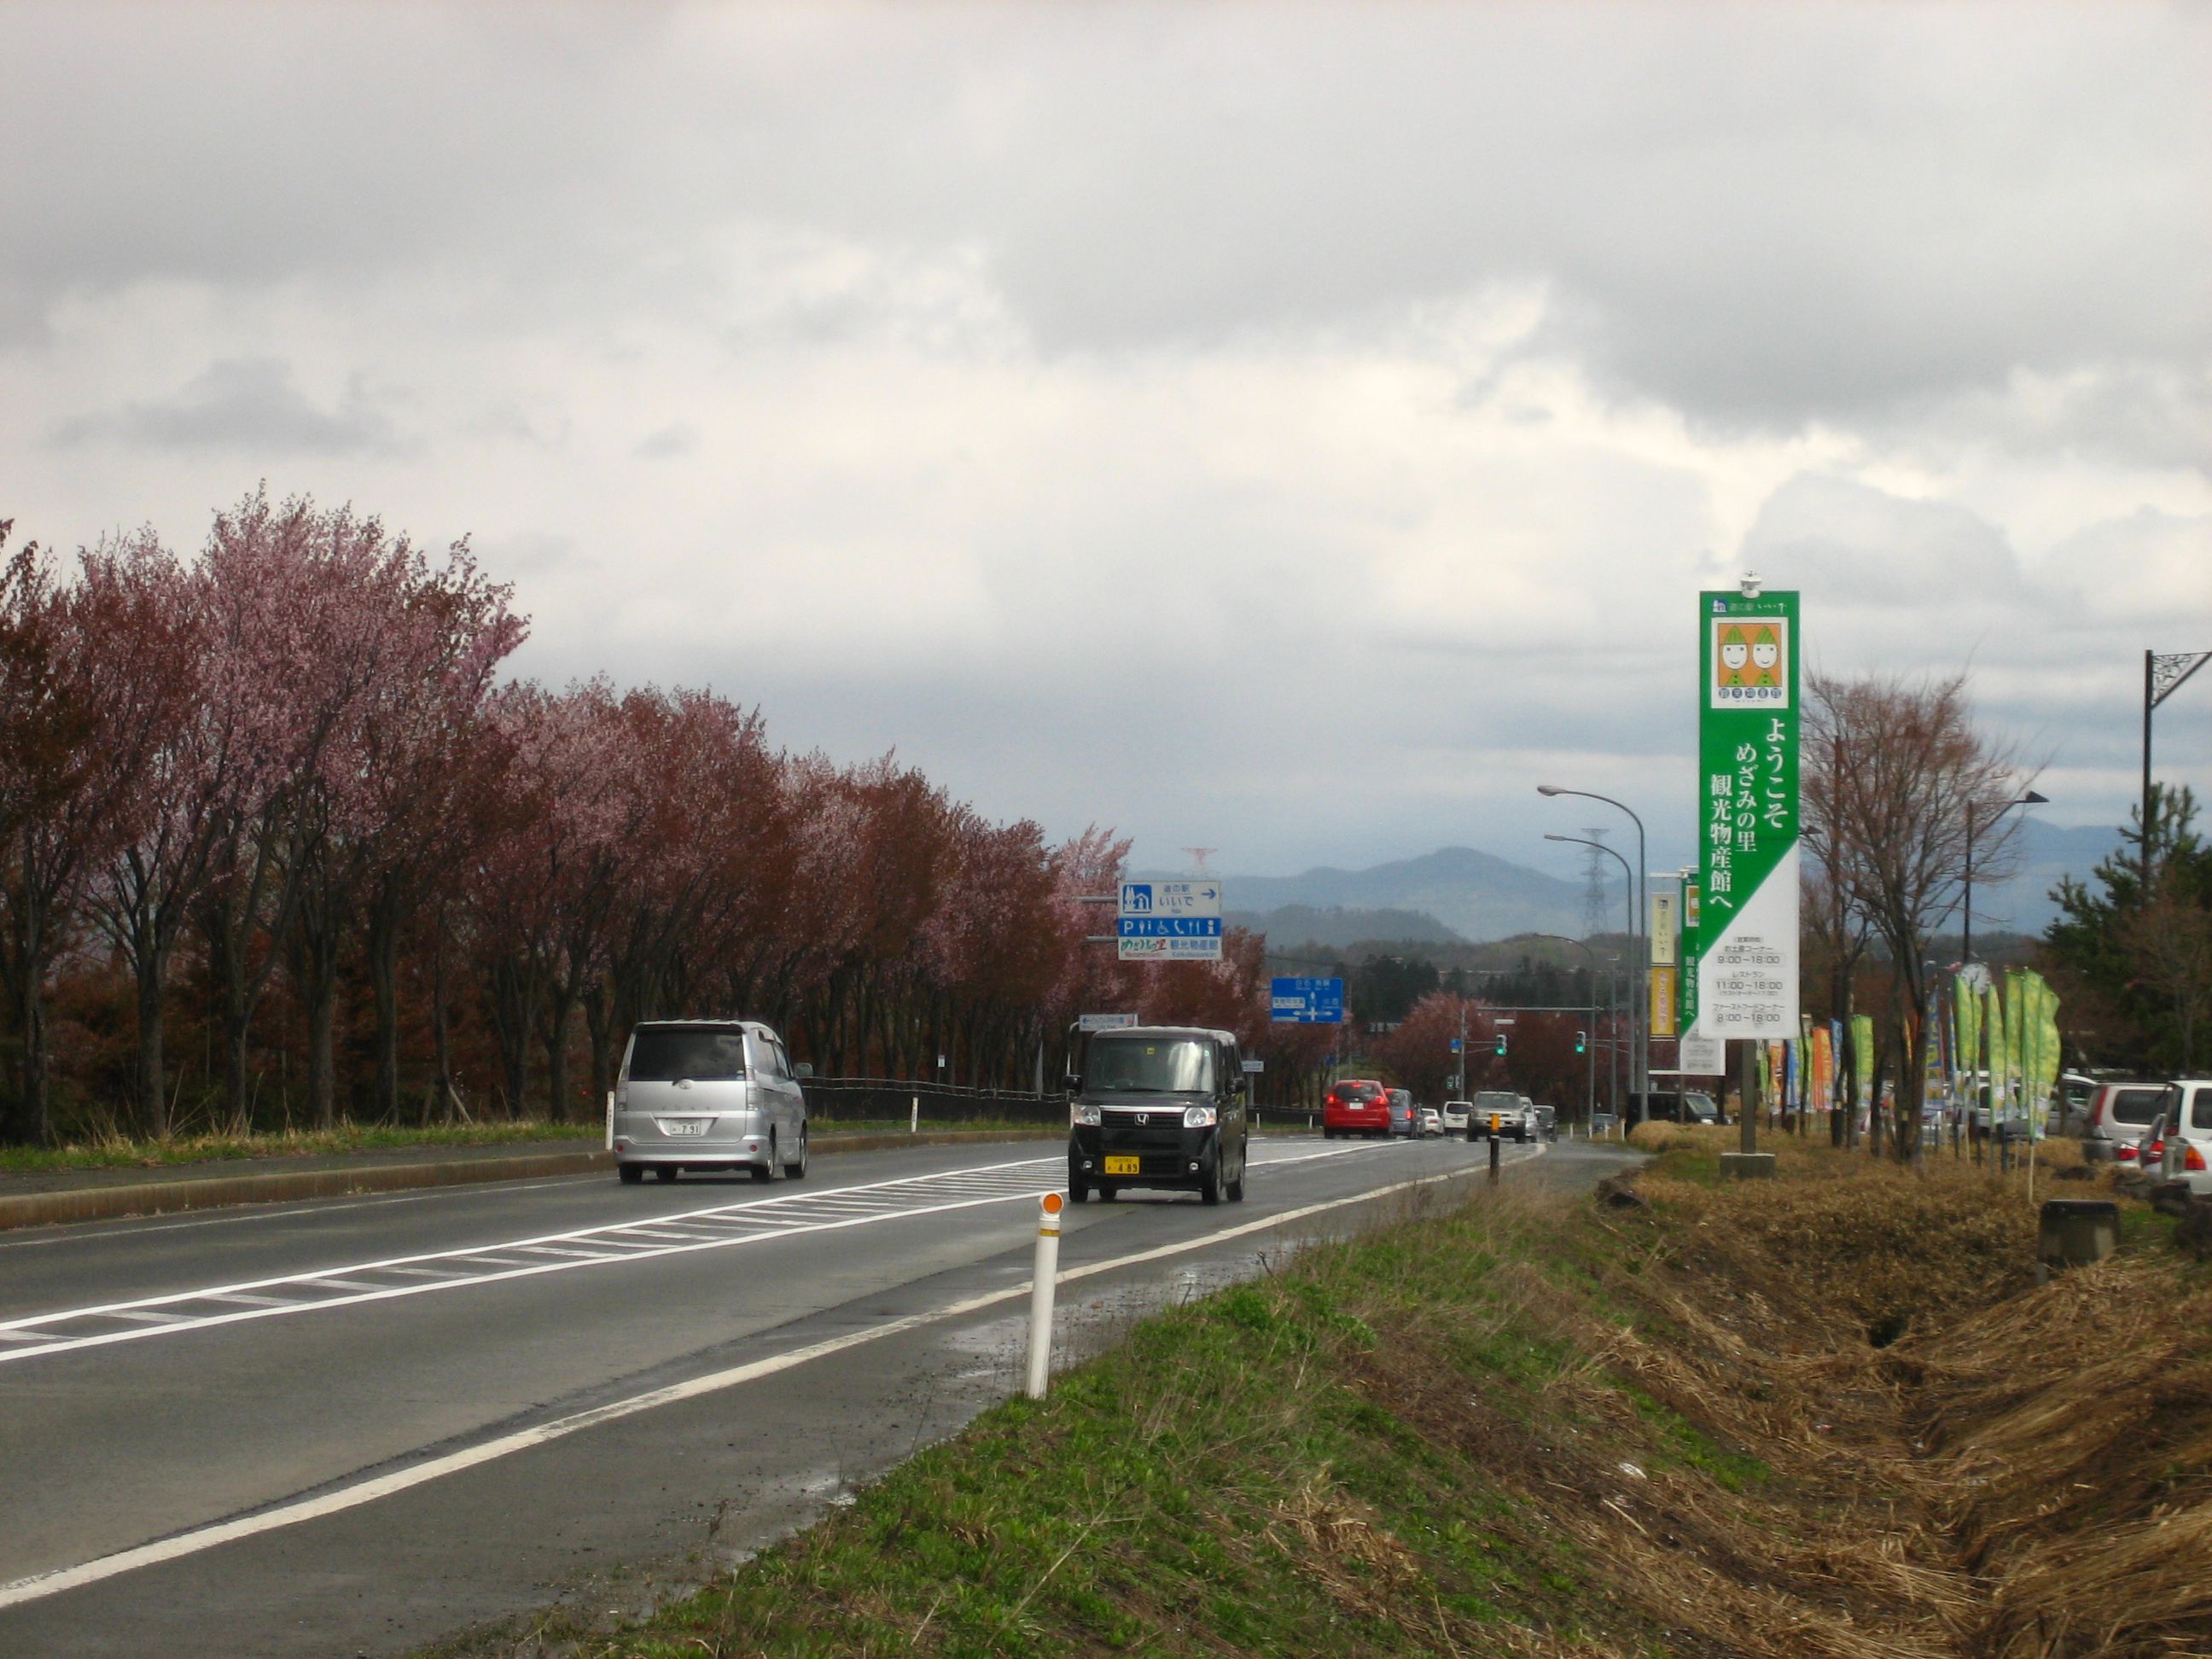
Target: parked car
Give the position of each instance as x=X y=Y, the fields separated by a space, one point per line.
x=1604 y=1123
x=1513 y=1114
x=708 y=1094
x=2188 y=1148
x=1404 y=1121
x=2070 y=1107
x=1455 y=1116
x=1431 y=1121
x=1355 y=1106
x=1691 y=1106
x=2119 y=1113
x=1159 y=1106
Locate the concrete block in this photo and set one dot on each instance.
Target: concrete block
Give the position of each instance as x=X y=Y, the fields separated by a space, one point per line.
x=1747 y=1166
x=2076 y=1231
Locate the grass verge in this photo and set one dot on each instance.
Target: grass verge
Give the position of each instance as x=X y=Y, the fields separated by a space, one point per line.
x=1828 y=1415
x=117 y=1152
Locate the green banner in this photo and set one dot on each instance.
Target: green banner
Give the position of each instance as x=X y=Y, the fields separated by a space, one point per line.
x=1746 y=947
x=1863 y=1059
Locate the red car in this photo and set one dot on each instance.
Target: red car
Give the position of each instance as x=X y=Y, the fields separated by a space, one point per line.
x=1355 y=1106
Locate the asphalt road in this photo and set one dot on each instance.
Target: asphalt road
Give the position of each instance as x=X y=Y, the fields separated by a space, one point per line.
x=358 y=1425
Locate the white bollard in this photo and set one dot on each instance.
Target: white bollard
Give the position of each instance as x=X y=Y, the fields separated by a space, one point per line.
x=1040 y=1288
x=914 y=1122
x=610 y=1120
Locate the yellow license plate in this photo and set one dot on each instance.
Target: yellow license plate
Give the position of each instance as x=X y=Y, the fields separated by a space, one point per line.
x=1120 y=1165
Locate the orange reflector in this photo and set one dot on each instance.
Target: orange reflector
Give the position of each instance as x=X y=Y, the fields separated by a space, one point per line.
x=1053 y=1203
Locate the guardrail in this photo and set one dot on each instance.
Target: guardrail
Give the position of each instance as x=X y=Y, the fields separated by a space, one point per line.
x=859 y=1099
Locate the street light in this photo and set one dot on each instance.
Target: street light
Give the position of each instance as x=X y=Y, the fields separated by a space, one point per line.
x=1590 y=1085
x=1641 y=1022
x=2031 y=798
x=1636 y=989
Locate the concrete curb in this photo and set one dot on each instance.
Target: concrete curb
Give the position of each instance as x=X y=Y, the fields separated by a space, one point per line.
x=209 y=1193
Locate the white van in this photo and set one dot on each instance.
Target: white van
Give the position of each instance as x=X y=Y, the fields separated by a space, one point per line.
x=708 y=1094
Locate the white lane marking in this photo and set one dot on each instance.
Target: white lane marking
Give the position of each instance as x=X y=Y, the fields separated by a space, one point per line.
x=38 y=1586
x=772 y=1219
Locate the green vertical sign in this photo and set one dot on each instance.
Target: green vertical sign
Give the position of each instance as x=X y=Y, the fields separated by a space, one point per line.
x=1687 y=987
x=1745 y=948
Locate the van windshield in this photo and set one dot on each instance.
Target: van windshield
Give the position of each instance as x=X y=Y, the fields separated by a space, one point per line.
x=705 y=1053
x=1149 y=1065
x=1496 y=1100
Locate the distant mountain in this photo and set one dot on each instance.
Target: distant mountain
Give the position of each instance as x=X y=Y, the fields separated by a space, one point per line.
x=1476 y=896
x=2022 y=904
x=1338 y=928
x=1456 y=895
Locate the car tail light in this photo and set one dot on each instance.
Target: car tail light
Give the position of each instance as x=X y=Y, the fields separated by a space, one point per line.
x=2097 y=1109
x=2155 y=1150
x=2194 y=1157
x=2126 y=1155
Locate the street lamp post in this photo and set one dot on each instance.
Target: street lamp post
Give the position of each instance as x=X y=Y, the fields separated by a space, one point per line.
x=1589 y=1044
x=1966 y=942
x=2163 y=674
x=1635 y=1025
x=1640 y=941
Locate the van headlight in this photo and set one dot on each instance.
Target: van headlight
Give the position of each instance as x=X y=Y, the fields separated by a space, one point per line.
x=1199 y=1117
x=1087 y=1117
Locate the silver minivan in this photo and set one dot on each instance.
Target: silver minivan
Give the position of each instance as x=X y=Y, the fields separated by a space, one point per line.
x=708 y=1094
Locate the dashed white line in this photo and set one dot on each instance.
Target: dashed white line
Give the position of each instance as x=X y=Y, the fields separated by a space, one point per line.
x=38 y=1586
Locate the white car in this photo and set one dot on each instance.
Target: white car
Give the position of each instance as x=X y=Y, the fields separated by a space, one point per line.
x=2189 y=1132
x=1431 y=1122
x=1455 y=1113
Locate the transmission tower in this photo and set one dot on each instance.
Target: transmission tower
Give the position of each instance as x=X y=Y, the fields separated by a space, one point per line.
x=1198 y=857
x=1595 y=907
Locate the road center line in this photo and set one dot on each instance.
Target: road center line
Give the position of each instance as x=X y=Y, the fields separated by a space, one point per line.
x=38 y=1586
x=649 y=1239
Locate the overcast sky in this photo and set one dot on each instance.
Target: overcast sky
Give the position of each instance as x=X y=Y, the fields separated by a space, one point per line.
x=1298 y=431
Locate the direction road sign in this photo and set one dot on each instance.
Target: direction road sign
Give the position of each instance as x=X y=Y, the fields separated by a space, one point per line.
x=1171 y=898
x=1168 y=927
x=1104 y=1022
x=1300 y=1001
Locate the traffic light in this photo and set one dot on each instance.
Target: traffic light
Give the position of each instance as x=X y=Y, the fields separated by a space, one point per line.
x=1582 y=1043
x=1501 y=1045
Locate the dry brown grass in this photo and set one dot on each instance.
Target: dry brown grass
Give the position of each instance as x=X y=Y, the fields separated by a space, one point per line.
x=2008 y=1470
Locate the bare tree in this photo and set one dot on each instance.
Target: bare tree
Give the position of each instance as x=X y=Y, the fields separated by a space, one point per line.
x=1896 y=778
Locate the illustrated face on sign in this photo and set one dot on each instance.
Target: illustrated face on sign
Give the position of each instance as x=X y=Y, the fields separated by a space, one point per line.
x=1736 y=651
x=1766 y=654
x=1750 y=664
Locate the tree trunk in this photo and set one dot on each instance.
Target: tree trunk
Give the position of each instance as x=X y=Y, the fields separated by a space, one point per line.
x=384 y=922
x=564 y=1005
x=153 y=1097
x=322 y=993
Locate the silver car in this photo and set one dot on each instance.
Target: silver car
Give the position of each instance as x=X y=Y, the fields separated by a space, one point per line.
x=709 y=1094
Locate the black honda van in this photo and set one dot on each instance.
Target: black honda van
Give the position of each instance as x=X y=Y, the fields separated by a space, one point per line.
x=1158 y=1106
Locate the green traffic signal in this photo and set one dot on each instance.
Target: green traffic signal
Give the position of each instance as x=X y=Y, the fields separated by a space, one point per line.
x=1582 y=1043
x=1501 y=1045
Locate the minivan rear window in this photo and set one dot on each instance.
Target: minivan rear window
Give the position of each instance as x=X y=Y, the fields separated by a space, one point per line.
x=2136 y=1105
x=662 y=1054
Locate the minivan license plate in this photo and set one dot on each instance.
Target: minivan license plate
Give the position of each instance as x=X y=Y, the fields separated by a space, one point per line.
x=681 y=1126
x=1120 y=1165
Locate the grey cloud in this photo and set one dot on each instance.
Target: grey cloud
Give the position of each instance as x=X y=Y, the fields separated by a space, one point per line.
x=679 y=438
x=249 y=402
x=1762 y=218
x=1850 y=543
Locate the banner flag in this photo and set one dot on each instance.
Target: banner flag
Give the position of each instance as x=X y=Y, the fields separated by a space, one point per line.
x=1744 y=956
x=1863 y=1058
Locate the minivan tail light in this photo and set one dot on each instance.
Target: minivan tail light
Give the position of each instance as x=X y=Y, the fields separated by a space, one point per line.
x=2194 y=1157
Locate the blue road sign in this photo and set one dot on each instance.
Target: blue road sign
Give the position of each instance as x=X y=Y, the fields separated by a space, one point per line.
x=1455 y=1045
x=1158 y=926
x=1306 y=1002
